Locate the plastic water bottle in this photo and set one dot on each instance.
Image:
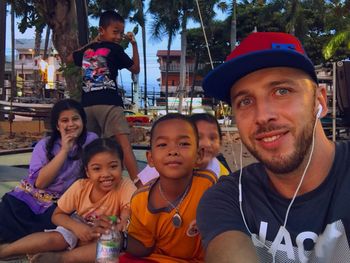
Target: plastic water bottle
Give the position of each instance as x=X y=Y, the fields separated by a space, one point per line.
x=108 y=245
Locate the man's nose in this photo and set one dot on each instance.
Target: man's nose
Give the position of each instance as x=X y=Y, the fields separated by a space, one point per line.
x=264 y=113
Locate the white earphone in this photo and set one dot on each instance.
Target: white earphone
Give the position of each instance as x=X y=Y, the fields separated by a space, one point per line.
x=319 y=111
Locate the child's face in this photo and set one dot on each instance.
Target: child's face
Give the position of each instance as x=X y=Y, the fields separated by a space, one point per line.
x=113 y=32
x=209 y=141
x=105 y=171
x=70 y=122
x=174 y=150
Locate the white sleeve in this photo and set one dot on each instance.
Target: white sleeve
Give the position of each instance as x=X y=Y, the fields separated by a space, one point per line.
x=147 y=174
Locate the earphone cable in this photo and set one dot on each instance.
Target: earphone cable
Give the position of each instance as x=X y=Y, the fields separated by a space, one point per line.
x=240 y=189
x=302 y=177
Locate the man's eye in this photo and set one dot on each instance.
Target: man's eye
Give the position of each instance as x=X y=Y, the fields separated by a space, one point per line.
x=161 y=145
x=244 y=102
x=282 y=91
x=184 y=144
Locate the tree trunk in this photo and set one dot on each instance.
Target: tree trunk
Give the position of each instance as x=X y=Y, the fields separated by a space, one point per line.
x=62 y=19
x=37 y=43
x=167 y=73
x=233 y=33
x=182 y=88
x=196 y=63
x=143 y=31
x=2 y=49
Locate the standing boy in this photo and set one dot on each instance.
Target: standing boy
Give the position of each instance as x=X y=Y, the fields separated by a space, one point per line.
x=100 y=61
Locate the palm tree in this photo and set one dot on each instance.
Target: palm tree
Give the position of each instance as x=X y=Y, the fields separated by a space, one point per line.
x=139 y=17
x=338 y=40
x=165 y=22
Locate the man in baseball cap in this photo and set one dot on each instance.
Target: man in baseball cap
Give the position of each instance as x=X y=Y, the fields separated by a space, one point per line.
x=290 y=206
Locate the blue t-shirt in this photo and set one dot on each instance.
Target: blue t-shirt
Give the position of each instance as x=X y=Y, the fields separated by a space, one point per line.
x=318 y=226
x=100 y=62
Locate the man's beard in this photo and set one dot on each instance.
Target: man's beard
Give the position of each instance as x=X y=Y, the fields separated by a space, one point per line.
x=286 y=164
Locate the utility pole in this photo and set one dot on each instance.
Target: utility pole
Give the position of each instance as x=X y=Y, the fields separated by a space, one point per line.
x=2 y=47
x=13 y=71
x=135 y=91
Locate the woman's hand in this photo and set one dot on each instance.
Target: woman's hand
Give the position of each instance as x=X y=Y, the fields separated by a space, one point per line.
x=67 y=140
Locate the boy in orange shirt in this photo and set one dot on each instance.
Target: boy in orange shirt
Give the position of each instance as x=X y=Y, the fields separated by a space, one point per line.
x=163 y=219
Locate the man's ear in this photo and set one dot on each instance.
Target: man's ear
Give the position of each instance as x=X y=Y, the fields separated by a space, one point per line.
x=86 y=172
x=149 y=158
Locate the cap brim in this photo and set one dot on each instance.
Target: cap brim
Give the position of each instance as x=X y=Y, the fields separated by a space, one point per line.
x=218 y=82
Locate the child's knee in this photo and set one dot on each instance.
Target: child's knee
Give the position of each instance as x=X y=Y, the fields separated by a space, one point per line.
x=56 y=239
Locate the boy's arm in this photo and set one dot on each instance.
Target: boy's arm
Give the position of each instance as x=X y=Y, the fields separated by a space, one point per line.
x=135 y=54
x=124 y=218
x=70 y=58
x=231 y=247
x=137 y=248
x=83 y=231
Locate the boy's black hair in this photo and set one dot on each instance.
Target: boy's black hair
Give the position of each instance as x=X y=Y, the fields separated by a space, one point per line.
x=101 y=145
x=110 y=16
x=208 y=118
x=174 y=116
x=57 y=109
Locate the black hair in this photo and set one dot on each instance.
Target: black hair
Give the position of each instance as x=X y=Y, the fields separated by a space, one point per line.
x=208 y=118
x=101 y=145
x=57 y=109
x=174 y=116
x=110 y=16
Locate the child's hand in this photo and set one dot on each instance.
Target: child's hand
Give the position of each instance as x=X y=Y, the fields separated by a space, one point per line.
x=130 y=37
x=102 y=225
x=67 y=139
x=122 y=224
x=85 y=232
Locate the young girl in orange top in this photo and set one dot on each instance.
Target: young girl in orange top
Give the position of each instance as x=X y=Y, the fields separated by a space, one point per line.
x=102 y=193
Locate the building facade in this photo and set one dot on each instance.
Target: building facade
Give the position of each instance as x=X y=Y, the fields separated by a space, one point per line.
x=33 y=74
x=174 y=72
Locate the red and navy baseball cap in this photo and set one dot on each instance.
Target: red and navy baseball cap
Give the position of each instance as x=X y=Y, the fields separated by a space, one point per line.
x=258 y=50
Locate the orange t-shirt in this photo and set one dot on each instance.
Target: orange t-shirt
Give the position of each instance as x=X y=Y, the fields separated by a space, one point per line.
x=154 y=227
x=77 y=199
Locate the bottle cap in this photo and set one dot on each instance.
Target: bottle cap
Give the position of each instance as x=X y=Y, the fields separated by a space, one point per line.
x=113 y=218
